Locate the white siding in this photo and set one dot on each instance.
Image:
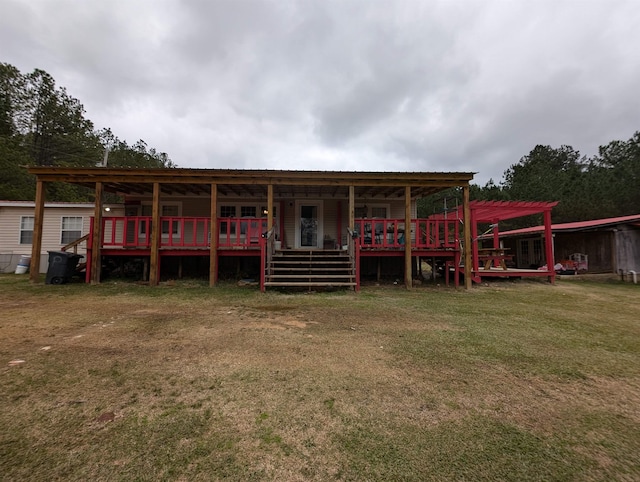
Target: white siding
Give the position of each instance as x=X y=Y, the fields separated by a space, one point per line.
x=10 y=247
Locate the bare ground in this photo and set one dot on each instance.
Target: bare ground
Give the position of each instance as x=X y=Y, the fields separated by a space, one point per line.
x=306 y=387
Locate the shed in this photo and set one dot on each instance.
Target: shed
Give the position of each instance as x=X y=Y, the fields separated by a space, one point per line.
x=605 y=245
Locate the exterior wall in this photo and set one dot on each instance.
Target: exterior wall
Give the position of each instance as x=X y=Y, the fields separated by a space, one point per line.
x=608 y=250
x=597 y=245
x=10 y=248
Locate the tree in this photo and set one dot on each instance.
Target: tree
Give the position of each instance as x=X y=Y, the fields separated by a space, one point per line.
x=548 y=174
x=616 y=174
x=42 y=125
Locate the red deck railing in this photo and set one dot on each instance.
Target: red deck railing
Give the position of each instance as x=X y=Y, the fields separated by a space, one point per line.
x=181 y=232
x=243 y=233
x=390 y=233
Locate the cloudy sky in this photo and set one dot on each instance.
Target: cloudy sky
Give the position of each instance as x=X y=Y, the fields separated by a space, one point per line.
x=419 y=85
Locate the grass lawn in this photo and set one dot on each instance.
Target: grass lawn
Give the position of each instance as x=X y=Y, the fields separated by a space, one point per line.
x=508 y=381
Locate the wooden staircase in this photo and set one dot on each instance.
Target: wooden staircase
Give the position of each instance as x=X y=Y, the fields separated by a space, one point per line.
x=310 y=268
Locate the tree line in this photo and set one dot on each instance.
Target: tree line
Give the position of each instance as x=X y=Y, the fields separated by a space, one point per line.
x=42 y=125
x=605 y=185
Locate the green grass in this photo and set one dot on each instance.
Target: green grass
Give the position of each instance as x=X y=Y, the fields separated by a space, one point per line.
x=512 y=381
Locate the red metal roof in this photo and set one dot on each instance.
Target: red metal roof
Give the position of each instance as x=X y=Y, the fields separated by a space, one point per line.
x=577 y=226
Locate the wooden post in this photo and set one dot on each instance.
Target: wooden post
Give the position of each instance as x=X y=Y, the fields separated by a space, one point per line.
x=213 y=236
x=351 y=216
x=339 y=225
x=352 y=207
x=36 y=244
x=408 y=278
x=156 y=231
x=466 y=210
x=548 y=242
x=269 y=206
x=96 y=240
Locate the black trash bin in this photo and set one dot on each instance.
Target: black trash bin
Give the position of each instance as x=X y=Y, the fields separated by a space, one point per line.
x=62 y=267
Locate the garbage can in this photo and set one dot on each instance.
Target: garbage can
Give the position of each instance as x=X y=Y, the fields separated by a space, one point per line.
x=62 y=266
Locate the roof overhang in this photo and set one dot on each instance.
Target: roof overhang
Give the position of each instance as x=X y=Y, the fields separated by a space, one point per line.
x=253 y=183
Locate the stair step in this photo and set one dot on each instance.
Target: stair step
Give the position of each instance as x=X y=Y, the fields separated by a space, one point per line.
x=311 y=283
x=310 y=268
x=307 y=276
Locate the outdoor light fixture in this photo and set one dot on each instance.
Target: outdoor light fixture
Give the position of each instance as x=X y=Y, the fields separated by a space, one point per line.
x=107 y=209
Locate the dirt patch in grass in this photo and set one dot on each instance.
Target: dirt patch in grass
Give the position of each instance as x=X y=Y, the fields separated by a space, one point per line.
x=511 y=382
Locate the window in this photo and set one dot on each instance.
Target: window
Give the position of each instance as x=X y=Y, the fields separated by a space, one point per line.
x=166 y=210
x=227 y=212
x=71 y=229
x=378 y=212
x=248 y=211
x=375 y=211
x=171 y=211
x=26 y=229
x=360 y=212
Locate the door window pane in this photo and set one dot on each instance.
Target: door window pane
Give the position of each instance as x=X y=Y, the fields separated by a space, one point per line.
x=309 y=226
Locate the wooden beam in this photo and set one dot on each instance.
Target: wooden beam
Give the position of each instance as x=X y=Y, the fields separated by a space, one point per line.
x=466 y=219
x=213 y=236
x=96 y=241
x=408 y=278
x=89 y=176
x=36 y=244
x=156 y=231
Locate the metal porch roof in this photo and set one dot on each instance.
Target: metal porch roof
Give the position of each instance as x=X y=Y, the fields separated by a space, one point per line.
x=576 y=226
x=253 y=183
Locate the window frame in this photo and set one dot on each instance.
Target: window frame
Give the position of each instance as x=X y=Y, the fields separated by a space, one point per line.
x=23 y=230
x=165 y=232
x=64 y=230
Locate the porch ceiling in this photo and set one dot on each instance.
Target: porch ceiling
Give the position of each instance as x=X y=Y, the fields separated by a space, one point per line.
x=253 y=183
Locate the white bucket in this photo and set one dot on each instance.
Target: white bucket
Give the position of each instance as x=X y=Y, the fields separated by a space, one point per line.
x=23 y=264
x=278 y=245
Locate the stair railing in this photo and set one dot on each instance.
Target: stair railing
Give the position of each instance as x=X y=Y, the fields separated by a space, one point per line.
x=267 y=248
x=354 y=255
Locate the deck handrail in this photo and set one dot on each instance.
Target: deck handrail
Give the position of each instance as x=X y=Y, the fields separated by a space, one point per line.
x=181 y=232
x=389 y=233
x=353 y=247
x=245 y=232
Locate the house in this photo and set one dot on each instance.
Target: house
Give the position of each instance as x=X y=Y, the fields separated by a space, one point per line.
x=285 y=228
x=62 y=223
x=597 y=246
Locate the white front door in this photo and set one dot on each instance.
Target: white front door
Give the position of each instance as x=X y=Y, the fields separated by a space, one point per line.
x=309 y=233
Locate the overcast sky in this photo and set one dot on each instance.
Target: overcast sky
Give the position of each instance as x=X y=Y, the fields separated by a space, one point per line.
x=376 y=85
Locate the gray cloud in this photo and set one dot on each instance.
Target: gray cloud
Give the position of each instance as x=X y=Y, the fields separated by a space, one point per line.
x=351 y=85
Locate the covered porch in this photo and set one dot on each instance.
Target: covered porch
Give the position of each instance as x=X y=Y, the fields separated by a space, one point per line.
x=257 y=213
